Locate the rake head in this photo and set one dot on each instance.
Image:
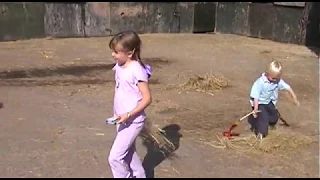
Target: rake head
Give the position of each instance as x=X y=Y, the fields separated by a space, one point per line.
x=229 y=134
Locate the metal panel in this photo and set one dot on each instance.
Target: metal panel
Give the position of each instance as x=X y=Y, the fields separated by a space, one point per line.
x=186 y=12
x=151 y=17
x=261 y=20
x=144 y=17
x=232 y=17
x=225 y=16
x=168 y=18
x=20 y=20
x=286 y=24
x=204 y=16
x=127 y=15
x=64 y=20
x=97 y=19
x=292 y=4
x=240 y=22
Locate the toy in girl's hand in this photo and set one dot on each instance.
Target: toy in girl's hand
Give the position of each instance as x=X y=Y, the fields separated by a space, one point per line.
x=112 y=120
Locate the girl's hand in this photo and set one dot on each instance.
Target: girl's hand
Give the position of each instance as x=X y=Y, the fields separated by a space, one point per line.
x=122 y=118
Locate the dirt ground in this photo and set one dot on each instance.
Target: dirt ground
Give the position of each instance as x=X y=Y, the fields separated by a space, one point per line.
x=58 y=92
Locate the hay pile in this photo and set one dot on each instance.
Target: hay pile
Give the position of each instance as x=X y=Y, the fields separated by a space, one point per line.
x=207 y=83
x=282 y=141
x=278 y=141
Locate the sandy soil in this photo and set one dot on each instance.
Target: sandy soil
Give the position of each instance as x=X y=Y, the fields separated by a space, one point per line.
x=58 y=92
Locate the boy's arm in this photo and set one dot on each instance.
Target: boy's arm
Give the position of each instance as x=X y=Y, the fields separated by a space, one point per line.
x=284 y=85
x=255 y=94
x=255 y=104
x=293 y=95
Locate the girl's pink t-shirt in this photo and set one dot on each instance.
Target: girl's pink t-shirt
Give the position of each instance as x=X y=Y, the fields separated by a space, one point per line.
x=127 y=94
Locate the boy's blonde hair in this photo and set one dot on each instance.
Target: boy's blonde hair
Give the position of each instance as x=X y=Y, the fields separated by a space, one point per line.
x=274 y=69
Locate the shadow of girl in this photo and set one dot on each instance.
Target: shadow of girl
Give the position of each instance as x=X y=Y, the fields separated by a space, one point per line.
x=156 y=155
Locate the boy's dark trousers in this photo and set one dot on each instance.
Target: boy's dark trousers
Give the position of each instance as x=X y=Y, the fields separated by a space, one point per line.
x=268 y=116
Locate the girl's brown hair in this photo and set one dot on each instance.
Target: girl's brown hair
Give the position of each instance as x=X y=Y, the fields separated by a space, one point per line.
x=129 y=41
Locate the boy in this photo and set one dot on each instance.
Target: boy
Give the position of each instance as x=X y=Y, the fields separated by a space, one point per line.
x=264 y=96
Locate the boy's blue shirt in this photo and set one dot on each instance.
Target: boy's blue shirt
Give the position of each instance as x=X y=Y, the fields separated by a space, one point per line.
x=266 y=91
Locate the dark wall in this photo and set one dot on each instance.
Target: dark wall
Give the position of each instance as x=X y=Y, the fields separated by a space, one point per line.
x=21 y=20
x=263 y=20
x=204 y=17
x=286 y=24
x=144 y=17
x=63 y=20
x=106 y=18
x=153 y=17
x=232 y=17
x=77 y=19
x=298 y=25
x=278 y=23
x=97 y=19
x=312 y=24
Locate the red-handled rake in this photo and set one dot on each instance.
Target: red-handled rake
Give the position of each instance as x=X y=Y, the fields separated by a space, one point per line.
x=229 y=133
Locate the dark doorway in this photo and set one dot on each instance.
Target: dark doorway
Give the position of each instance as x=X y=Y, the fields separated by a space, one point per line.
x=204 y=17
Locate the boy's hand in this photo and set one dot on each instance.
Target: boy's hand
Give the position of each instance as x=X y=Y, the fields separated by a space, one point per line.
x=294 y=97
x=255 y=113
x=296 y=102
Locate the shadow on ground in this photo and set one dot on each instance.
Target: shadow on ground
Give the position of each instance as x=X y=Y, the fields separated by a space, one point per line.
x=155 y=155
x=58 y=71
x=65 y=75
x=58 y=76
x=74 y=70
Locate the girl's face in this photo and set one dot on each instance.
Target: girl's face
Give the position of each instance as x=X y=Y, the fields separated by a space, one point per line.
x=120 y=55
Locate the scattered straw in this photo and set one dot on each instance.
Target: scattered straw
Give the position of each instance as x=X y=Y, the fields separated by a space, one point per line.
x=277 y=141
x=156 y=136
x=208 y=83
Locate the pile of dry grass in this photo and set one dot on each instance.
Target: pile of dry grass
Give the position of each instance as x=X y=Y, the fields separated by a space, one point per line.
x=278 y=141
x=208 y=83
x=282 y=141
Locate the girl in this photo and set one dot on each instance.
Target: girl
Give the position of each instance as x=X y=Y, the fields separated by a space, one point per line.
x=132 y=96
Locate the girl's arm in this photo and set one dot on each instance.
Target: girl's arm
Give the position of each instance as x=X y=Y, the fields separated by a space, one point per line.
x=146 y=98
x=142 y=104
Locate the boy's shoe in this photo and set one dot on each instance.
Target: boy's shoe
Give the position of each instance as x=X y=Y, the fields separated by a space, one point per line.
x=259 y=136
x=272 y=127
